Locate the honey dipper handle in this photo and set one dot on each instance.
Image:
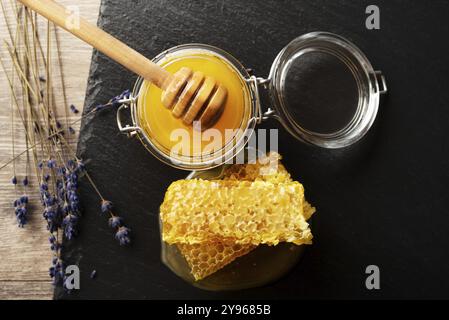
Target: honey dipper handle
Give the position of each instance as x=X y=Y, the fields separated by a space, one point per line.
x=102 y=41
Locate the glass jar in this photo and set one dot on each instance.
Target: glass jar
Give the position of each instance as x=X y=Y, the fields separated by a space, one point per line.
x=244 y=128
x=323 y=90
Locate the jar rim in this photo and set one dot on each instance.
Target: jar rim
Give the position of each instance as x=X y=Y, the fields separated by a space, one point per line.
x=367 y=83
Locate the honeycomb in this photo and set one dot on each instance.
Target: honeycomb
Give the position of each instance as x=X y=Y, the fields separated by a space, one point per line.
x=267 y=168
x=207 y=257
x=245 y=212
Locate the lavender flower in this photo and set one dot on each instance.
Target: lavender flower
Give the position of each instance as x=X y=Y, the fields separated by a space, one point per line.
x=71 y=180
x=25 y=181
x=21 y=211
x=114 y=102
x=65 y=208
x=80 y=167
x=71 y=164
x=44 y=187
x=106 y=206
x=100 y=107
x=23 y=200
x=69 y=223
x=58 y=125
x=74 y=109
x=51 y=163
x=115 y=222
x=57 y=271
x=42 y=79
x=71 y=130
x=21 y=216
x=52 y=239
x=123 y=235
x=61 y=171
x=54 y=244
x=52 y=211
x=14 y=180
x=49 y=201
x=53 y=217
x=68 y=203
x=60 y=191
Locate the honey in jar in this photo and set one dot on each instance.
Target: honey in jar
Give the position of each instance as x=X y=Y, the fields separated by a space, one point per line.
x=170 y=133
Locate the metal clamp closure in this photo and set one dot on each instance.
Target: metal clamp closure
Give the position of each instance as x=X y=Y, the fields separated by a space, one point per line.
x=130 y=130
x=254 y=83
x=383 y=89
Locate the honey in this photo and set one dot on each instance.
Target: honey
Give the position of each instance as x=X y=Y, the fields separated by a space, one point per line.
x=163 y=129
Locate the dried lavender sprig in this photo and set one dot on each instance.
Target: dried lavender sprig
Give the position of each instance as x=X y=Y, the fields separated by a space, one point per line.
x=68 y=192
x=56 y=133
x=57 y=271
x=21 y=211
x=54 y=243
x=123 y=236
x=51 y=164
x=74 y=109
x=106 y=206
x=115 y=222
x=114 y=102
x=122 y=233
x=50 y=200
x=52 y=212
x=69 y=223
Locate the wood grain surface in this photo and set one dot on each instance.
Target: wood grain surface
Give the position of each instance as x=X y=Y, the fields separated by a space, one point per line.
x=24 y=253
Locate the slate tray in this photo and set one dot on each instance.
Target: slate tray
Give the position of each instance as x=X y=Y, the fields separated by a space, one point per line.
x=383 y=201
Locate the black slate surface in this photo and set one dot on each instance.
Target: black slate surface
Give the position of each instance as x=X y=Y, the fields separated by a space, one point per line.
x=383 y=201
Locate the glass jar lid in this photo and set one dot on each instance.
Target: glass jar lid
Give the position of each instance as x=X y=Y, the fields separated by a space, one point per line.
x=324 y=90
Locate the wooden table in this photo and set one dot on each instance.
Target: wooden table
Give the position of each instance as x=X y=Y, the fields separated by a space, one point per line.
x=24 y=253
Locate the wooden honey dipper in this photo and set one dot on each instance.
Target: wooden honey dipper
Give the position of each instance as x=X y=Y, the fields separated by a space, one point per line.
x=190 y=95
